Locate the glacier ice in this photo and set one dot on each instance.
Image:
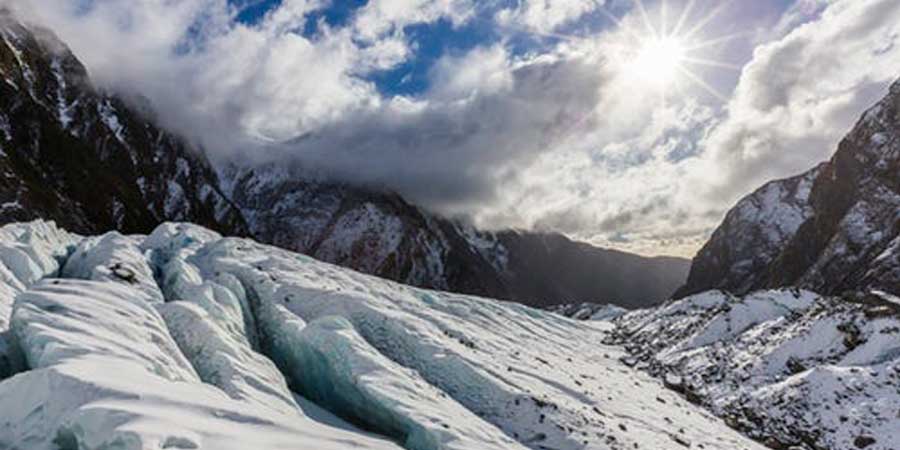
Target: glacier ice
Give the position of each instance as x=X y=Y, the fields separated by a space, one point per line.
x=58 y=320
x=185 y=339
x=105 y=373
x=329 y=363
x=533 y=375
x=225 y=362
x=28 y=252
x=113 y=257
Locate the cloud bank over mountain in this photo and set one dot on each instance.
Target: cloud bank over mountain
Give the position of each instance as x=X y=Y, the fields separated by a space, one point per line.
x=512 y=113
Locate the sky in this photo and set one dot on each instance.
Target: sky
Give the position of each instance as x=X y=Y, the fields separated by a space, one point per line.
x=629 y=124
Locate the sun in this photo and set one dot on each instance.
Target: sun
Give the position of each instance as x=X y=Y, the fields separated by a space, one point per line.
x=662 y=49
x=666 y=55
x=659 y=61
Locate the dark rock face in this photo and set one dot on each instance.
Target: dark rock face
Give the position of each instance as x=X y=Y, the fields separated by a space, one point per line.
x=553 y=266
x=91 y=162
x=832 y=229
x=381 y=234
x=82 y=157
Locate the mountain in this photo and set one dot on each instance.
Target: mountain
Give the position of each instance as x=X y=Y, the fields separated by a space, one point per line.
x=92 y=162
x=381 y=234
x=186 y=340
x=790 y=368
x=73 y=153
x=833 y=229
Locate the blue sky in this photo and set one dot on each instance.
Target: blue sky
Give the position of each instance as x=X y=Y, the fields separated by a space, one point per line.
x=433 y=40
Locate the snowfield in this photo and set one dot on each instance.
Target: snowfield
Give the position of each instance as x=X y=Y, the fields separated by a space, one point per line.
x=187 y=340
x=788 y=367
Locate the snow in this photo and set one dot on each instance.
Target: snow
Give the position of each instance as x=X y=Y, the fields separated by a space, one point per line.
x=27 y=74
x=63 y=108
x=28 y=252
x=379 y=232
x=61 y=320
x=110 y=118
x=260 y=348
x=487 y=245
x=106 y=374
x=225 y=361
x=785 y=366
x=175 y=200
x=5 y=127
x=334 y=366
x=531 y=374
x=113 y=257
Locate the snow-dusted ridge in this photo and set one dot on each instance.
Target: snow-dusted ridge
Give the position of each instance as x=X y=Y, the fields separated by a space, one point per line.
x=184 y=340
x=789 y=367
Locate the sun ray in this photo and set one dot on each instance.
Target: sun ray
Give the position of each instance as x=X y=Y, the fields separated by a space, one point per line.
x=685 y=13
x=703 y=84
x=716 y=41
x=664 y=27
x=702 y=23
x=617 y=22
x=710 y=63
x=646 y=17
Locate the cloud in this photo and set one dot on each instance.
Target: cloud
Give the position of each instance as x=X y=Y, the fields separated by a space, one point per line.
x=801 y=94
x=233 y=86
x=545 y=16
x=458 y=148
x=557 y=137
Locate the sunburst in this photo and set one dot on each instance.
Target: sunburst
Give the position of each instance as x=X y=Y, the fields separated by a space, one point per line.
x=664 y=55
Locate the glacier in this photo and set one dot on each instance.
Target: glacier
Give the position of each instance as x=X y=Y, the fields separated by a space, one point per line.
x=185 y=339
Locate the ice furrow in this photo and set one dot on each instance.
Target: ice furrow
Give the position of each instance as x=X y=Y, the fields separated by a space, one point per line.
x=329 y=363
x=185 y=339
x=116 y=258
x=29 y=252
x=473 y=350
x=106 y=373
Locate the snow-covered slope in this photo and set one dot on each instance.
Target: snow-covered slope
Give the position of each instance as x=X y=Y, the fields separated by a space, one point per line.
x=753 y=234
x=184 y=339
x=788 y=367
x=831 y=229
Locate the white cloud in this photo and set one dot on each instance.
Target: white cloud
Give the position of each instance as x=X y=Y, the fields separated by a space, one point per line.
x=379 y=17
x=235 y=86
x=546 y=15
x=558 y=138
x=801 y=94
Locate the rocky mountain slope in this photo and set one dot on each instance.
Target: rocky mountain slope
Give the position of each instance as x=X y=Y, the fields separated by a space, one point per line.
x=832 y=229
x=90 y=161
x=790 y=368
x=186 y=340
x=82 y=157
x=382 y=234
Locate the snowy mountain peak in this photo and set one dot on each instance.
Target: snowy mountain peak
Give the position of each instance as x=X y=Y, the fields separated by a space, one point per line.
x=839 y=234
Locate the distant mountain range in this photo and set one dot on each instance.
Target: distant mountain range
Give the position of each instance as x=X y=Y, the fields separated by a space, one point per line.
x=92 y=162
x=832 y=229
